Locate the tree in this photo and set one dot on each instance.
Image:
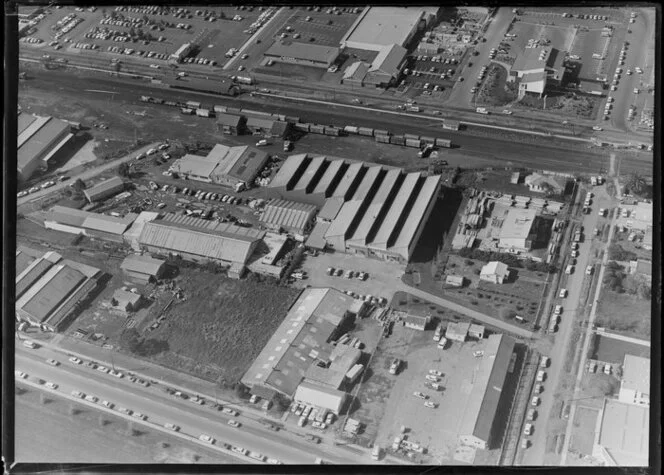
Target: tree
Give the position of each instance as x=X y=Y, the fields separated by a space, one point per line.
x=78 y=185
x=131 y=340
x=124 y=169
x=636 y=184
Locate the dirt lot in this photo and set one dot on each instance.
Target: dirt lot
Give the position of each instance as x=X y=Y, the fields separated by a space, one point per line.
x=221 y=327
x=583 y=435
x=624 y=313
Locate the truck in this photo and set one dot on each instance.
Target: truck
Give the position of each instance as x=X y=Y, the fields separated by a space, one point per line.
x=395 y=365
x=597 y=93
x=482 y=110
x=375 y=453
x=597 y=56
x=242 y=80
x=413 y=109
x=287 y=145
x=426 y=151
x=438 y=333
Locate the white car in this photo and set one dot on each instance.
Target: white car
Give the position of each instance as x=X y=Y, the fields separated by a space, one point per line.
x=431 y=377
x=51 y=385
x=563 y=293
x=558 y=310
x=108 y=404
x=607 y=368
x=206 y=438
x=117 y=374
x=21 y=374
x=435 y=372
x=528 y=429
x=597 y=128
x=172 y=427
x=75 y=360
x=420 y=395
x=239 y=450
x=233 y=423
x=140 y=416
x=78 y=394
x=544 y=362
x=535 y=401
x=507 y=112
x=52 y=362
x=91 y=398
x=103 y=369
x=430 y=404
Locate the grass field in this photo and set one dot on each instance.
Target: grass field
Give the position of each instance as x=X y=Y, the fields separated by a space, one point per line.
x=47 y=433
x=614 y=351
x=222 y=326
x=625 y=314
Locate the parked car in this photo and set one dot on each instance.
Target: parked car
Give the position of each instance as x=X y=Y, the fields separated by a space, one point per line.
x=206 y=438
x=233 y=423
x=535 y=401
x=75 y=360
x=52 y=362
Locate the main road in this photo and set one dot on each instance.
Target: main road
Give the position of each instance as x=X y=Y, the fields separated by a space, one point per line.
x=162 y=408
x=506 y=149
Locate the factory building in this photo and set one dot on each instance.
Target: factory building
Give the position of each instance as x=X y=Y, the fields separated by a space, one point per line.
x=384 y=71
x=538 y=68
x=199 y=240
x=104 y=189
x=75 y=221
x=302 y=341
x=377 y=27
x=229 y=166
x=303 y=54
x=143 y=269
x=50 y=289
x=622 y=434
x=370 y=210
x=481 y=405
x=290 y=216
x=518 y=231
x=39 y=139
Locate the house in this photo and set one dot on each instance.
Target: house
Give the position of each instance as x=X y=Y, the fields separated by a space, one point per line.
x=635 y=381
x=494 y=272
x=545 y=184
x=143 y=269
x=457 y=331
x=126 y=301
x=230 y=124
x=355 y=73
x=416 y=322
x=454 y=280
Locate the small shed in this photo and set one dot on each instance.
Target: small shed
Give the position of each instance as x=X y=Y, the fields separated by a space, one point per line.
x=455 y=280
x=416 y=322
x=143 y=269
x=457 y=331
x=476 y=331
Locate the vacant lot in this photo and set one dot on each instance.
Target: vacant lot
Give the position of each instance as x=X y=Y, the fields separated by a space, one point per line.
x=222 y=326
x=583 y=435
x=624 y=313
x=612 y=350
x=48 y=433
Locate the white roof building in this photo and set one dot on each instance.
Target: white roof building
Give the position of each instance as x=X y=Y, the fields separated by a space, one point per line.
x=320 y=396
x=635 y=382
x=495 y=272
x=377 y=27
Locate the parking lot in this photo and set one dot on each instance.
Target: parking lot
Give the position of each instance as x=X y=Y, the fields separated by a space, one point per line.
x=431 y=75
x=320 y=25
x=384 y=278
x=145 y=30
x=436 y=429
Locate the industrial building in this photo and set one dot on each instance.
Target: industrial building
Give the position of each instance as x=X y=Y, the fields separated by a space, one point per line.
x=302 y=340
x=320 y=396
x=495 y=272
x=126 y=301
x=371 y=210
x=229 y=166
x=143 y=269
x=50 y=288
x=481 y=405
x=518 y=231
x=538 y=68
x=200 y=240
x=39 y=139
x=377 y=27
x=230 y=124
x=75 y=221
x=622 y=434
x=384 y=71
x=635 y=381
x=104 y=189
x=416 y=322
x=290 y=216
x=303 y=54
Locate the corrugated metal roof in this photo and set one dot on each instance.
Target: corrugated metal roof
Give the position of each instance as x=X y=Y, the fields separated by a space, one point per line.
x=227 y=243
x=316 y=239
x=41 y=141
x=320 y=396
x=388 y=60
x=427 y=193
x=327 y=180
x=248 y=164
x=228 y=119
x=340 y=225
x=65 y=215
x=23 y=261
x=24 y=121
x=259 y=123
x=287 y=170
x=482 y=402
x=44 y=296
x=367 y=183
x=374 y=213
x=311 y=171
x=112 y=184
x=347 y=180
x=381 y=26
x=331 y=208
x=194 y=165
x=31 y=274
x=288 y=214
x=125 y=297
x=31 y=128
x=142 y=264
x=397 y=209
x=108 y=224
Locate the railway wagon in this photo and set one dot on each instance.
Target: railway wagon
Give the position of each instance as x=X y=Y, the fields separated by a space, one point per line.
x=219 y=109
x=317 y=129
x=411 y=136
x=428 y=140
x=334 y=131
x=292 y=119
x=234 y=110
x=381 y=132
x=254 y=113
x=351 y=130
x=444 y=143
x=366 y=131
x=193 y=104
x=303 y=127
x=415 y=143
x=398 y=140
x=382 y=138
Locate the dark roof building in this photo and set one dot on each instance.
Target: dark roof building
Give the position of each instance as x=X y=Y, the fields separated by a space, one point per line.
x=481 y=405
x=230 y=124
x=75 y=221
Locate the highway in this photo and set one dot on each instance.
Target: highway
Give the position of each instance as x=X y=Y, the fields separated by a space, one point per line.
x=513 y=149
x=162 y=408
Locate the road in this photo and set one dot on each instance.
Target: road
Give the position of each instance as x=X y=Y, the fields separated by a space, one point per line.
x=574 y=309
x=494 y=322
x=586 y=344
x=508 y=150
x=162 y=408
x=86 y=175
